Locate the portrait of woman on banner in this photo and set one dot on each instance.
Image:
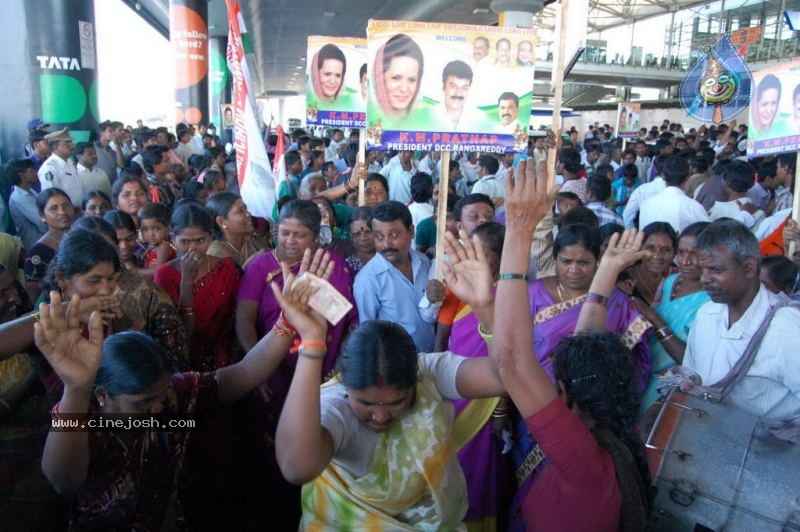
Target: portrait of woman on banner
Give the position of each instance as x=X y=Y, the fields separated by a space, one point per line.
x=397 y=76
x=327 y=71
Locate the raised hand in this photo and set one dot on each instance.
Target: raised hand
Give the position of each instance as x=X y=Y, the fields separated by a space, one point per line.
x=468 y=275
x=623 y=250
x=527 y=199
x=293 y=300
x=74 y=358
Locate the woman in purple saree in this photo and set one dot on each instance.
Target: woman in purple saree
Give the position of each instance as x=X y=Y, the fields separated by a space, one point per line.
x=256 y=312
x=556 y=303
x=486 y=469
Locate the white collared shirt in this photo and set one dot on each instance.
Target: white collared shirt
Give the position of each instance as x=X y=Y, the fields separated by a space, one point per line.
x=94 y=179
x=771 y=387
x=673 y=206
x=488 y=185
x=639 y=196
x=58 y=173
x=730 y=209
x=399 y=180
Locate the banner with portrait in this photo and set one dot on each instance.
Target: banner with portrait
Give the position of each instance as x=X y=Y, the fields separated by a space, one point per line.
x=628 y=114
x=336 y=81
x=775 y=111
x=448 y=87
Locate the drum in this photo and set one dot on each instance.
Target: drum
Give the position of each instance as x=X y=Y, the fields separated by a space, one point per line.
x=716 y=467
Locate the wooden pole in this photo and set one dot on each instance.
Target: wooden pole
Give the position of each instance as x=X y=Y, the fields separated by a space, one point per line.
x=558 y=76
x=795 y=203
x=441 y=216
x=361 y=158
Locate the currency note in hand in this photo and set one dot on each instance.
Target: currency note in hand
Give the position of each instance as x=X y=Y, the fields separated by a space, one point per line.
x=327 y=300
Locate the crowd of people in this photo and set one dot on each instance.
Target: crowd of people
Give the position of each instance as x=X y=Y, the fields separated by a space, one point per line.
x=513 y=394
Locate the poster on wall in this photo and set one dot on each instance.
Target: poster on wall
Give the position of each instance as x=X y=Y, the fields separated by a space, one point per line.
x=448 y=87
x=336 y=81
x=628 y=119
x=775 y=111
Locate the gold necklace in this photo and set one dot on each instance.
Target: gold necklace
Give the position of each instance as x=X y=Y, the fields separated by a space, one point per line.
x=239 y=252
x=52 y=239
x=652 y=295
x=561 y=291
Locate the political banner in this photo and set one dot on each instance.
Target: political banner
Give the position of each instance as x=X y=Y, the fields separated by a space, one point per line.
x=448 y=87
x=336 y=81
x=775 y=111
x=628 y=114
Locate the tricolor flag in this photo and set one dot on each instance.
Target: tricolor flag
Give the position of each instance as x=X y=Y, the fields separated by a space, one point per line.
x=256 y=182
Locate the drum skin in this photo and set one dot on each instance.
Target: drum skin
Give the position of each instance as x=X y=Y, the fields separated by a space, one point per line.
x=717 y=467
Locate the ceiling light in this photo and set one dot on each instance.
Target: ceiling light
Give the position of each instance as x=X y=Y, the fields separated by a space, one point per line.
x=329 y=14
x=479 y=10
x=303 y=58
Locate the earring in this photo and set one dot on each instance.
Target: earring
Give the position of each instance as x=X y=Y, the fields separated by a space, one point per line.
x=224 y=226
x=102 y=404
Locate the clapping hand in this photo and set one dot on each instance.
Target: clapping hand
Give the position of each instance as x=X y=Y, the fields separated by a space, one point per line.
x=468 y=275
x=297 y=291
x=57 y=334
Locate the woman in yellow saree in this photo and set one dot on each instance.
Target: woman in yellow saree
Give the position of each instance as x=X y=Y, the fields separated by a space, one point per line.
x=376 y=448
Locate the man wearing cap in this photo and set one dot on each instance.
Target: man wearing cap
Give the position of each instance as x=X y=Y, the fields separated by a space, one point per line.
x=40 y=151
x=58 y=170
x=35 y=126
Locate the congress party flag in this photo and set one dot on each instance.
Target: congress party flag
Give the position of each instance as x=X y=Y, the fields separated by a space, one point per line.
x=256 y=181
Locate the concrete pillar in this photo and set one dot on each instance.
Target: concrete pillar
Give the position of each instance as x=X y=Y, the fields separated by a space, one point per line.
x=188 y=30
x=49 y=69
x=516 y=13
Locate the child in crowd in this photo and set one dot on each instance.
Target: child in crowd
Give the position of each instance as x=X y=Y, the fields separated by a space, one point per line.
x=214 y=182
x=779 y=274
x=154 y=226
x=566 y=201
x=421 y=194
x=623 y=187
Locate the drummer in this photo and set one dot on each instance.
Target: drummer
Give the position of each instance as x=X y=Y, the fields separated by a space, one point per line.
x=729 y=256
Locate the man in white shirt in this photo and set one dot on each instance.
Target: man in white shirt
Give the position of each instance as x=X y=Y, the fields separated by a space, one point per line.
x=186 y=147
x=469 y=169
x=333 y=149
x=643 y=160
x=506 y=169
x=729 y=257
x=58 y=171
x=92 y=177
x=452 y=113
x=672 y=205
x=508 y=109
x=487 y=180
x=643 y=192
x=739 y=177
x=398 y=173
